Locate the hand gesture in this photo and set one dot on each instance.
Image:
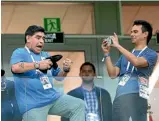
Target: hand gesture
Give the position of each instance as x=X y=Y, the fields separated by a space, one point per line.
x=105 y=47
x=45 y=64
x=67 y=65
x=115 y=40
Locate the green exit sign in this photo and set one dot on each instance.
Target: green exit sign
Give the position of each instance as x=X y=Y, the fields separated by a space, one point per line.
x=52 y=24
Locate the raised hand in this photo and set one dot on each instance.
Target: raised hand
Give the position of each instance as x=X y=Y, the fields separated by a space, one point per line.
x=67 y=65
x=105 y=47
x=115 y=40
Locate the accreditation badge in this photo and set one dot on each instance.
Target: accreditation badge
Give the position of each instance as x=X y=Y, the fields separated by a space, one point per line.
x=45 y=82
x=92 y=117
x=143 y=88
x=124 y=80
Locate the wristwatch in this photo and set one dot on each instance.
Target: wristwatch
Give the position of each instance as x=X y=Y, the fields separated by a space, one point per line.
x=66 y=70
x=36 y=65
x=105 y=56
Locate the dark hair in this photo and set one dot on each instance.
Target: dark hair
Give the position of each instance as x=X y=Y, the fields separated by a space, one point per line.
x=146 y=27
x=31 y=30
x=2 y=72
x=88 y=64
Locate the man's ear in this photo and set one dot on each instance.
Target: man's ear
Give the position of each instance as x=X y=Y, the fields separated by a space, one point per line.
x=28 y=38
x=146 y=34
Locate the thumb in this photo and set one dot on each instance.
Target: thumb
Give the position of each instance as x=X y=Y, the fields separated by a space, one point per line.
x=115 y=35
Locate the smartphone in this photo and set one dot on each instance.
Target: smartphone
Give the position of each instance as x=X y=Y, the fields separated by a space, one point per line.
x=108 y=40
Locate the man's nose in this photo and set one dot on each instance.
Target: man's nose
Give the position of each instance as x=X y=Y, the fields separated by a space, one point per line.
x=87 y=74
x=132 y=34
x=41 y=40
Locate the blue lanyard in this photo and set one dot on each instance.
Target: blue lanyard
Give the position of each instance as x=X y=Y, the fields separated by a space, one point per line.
x=137 y=56
x=31 y=54
x=38 y=71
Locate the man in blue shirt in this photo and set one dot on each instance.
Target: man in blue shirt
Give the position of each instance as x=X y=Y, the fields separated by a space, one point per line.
x=133 y=69
x=35 y=98
x=98 y=105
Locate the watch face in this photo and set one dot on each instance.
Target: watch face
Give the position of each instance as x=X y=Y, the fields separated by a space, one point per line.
x=36 y=65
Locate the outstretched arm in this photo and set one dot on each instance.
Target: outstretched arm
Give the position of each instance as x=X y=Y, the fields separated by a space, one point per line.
x=65 y=71
x=136 y=61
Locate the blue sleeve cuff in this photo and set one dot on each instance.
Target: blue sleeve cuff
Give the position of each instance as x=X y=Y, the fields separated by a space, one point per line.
x=55 y=71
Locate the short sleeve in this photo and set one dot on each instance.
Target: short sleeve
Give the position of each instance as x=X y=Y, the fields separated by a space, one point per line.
x=17 y=56
x=45 y=54
x=151 y=57
x=55 y=71
x=118 y=63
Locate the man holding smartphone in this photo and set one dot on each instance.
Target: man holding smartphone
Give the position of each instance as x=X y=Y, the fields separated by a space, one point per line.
x=133 y=69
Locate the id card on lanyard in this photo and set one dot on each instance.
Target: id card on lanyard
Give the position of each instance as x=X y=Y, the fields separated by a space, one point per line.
x=91 y=116
x=143 y=88
x=126 y=76
x=43 y=78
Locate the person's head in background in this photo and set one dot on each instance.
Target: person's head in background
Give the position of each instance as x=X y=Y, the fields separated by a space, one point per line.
x=34 y=38
x=141 y=32
x=2 y=72
x=3 y=80
x=87 y=72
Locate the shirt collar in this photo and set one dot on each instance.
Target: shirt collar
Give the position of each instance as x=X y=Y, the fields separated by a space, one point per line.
x=93 y=89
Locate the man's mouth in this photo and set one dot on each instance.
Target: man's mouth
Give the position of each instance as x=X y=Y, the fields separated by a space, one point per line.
x=39 y=46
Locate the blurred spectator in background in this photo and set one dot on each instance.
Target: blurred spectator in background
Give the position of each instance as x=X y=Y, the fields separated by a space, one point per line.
x=9 y=107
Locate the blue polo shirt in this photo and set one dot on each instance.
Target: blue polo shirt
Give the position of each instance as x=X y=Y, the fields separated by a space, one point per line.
x=28 y=87
x=132 y=86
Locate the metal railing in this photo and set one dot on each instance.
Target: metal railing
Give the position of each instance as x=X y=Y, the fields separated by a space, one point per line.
x=97 y=36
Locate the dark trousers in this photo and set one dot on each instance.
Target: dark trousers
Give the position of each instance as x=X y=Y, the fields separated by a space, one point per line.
x=130 y=105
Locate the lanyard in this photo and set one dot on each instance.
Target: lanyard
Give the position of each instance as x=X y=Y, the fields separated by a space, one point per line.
x=137 y=56
x=38 y=71
x=31 y=54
